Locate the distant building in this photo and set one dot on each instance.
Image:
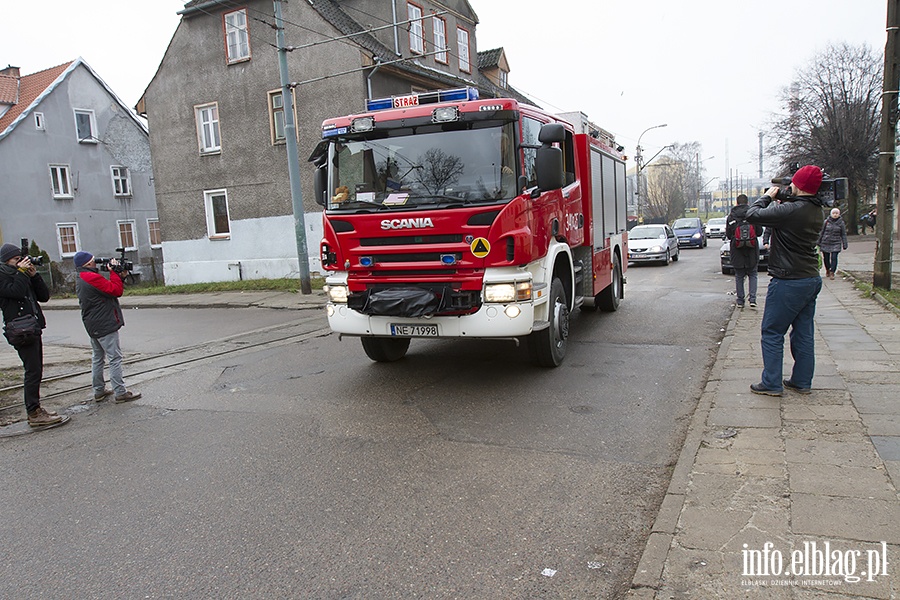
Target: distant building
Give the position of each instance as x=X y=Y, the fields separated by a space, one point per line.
x=75 y=169
x=216 y=116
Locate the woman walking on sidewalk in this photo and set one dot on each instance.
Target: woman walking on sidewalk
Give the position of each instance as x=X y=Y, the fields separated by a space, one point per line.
x=832 y=239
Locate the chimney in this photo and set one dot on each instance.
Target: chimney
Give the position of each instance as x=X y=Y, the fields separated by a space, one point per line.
x=11 y=71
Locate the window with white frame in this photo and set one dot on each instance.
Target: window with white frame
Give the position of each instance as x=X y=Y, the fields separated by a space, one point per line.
x=416 y=31
x=503 y=78
x=59 y=181
x=462 y=43
x=218 y=224
x=440 y=39
x=121 y=180
x=208 y=128
x=39 y=121
x=276 y=116
x=155 y=233
x=127 y=239
x=85 y=126
x=67 y=238
x=237 y=36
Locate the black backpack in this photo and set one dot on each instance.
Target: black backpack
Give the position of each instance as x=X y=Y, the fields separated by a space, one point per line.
x=744 y=235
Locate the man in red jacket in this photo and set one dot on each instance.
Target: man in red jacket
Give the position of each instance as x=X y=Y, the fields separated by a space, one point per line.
x=102 y=317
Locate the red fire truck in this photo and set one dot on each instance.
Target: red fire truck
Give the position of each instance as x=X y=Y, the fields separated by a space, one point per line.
x=447 y=215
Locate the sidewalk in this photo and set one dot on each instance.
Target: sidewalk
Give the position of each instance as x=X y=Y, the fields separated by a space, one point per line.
x=766 y=487
x=271 y=299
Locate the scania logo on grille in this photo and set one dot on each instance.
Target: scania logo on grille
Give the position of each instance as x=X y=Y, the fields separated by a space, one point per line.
x=417 y=223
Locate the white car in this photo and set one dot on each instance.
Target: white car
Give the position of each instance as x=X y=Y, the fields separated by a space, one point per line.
x=716 y=227
x=652 y=243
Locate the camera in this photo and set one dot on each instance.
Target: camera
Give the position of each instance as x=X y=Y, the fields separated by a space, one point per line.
x=37 y=261
x=122 y=266
x=831 y=190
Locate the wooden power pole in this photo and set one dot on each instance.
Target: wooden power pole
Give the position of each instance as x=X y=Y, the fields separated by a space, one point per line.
x=884 y=224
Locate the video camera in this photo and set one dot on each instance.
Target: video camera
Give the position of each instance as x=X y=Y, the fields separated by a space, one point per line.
x=37 y=261
x=830 y=191
x=119 y=268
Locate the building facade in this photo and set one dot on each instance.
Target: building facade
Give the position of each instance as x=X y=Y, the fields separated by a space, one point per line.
x=216 y=115
x=75 y=171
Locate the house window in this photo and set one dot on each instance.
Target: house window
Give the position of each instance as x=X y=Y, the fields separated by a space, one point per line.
x=126 y=234
x=462 y=42
x=121 y=180
x=276 y=116
x=39 y=121
x=440 y=39
x=416 y=32
x=85 y=126
x=155 y=233
x=59 y=181
x=503 y=81
x=208 y=128
x=217 y=222
x=67 y=238
x=237 y=38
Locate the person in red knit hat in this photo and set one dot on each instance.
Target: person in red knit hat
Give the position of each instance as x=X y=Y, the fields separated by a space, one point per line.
x=102 y=317
x=795 y=281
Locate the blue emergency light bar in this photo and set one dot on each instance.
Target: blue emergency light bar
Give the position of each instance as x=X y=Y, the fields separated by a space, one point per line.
x=454 y=95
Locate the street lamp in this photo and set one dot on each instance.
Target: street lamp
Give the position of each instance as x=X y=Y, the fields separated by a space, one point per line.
x=637 y=161
x=709 y=200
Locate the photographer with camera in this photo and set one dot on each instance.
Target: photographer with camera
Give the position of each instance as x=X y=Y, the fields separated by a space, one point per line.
x=21 y=288
x=796 y=220
x=102 y=317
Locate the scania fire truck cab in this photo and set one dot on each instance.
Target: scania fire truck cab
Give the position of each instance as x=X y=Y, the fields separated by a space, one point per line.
x=447 y=215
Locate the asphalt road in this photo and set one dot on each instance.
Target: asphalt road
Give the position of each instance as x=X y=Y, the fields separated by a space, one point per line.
x=303 y=470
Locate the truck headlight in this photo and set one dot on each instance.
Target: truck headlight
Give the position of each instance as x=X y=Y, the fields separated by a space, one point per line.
x=337 y=293
x=502 y=293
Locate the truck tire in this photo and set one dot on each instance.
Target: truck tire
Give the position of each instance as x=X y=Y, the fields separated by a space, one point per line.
x=382 y=349
x=548 y=346
x=608 y=299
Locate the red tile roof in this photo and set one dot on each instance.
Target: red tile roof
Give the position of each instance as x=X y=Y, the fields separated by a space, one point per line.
x=30 y=87
x=9 y=89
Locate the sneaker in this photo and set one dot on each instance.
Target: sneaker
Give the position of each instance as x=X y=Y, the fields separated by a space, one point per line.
x=757 y=388
x=42 y=418
x=790 y=385
x=739 y=304
x=127 y=397
x=101 y=396
x=753 y=305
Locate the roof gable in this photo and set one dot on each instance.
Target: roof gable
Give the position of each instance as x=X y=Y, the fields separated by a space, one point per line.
x=30 y=87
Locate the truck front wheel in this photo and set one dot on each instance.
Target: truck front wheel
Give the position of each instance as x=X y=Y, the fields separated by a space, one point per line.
x=548 y=346
x=381 y=349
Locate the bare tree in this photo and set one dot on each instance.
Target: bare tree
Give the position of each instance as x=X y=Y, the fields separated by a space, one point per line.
x=439 y=170
x=832 y=119
x=673 y=182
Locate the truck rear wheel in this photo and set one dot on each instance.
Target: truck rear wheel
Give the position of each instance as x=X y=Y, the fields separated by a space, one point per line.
x=608 y=299
x=382 y=349
x=548 y=346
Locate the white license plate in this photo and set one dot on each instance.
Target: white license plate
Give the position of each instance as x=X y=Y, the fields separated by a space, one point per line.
x=414 y=330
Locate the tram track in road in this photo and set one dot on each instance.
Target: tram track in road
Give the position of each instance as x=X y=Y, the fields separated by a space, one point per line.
x=66 y=383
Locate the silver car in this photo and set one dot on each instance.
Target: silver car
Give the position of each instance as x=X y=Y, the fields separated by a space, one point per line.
x=652 y=243
x=716 y=227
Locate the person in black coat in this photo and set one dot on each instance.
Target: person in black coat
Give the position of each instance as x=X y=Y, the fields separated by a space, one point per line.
x=745 y=261
x=832 y=239
x=21 y=288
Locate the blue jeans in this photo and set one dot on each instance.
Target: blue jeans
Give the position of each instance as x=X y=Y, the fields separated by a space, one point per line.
x=752 y=277
x=104 y=348
x=790 y=304
x=830 y=260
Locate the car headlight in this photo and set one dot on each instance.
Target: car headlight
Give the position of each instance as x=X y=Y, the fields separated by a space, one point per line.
x=337 y=293
x=697 y=236
x=501 y=293
x=656 y=249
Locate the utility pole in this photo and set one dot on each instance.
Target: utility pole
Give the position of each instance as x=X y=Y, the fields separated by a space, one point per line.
x=290 y=135
x=884 y=224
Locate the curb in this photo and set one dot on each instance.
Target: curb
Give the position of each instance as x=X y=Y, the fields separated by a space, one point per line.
x=873 y=294
x=649 y=571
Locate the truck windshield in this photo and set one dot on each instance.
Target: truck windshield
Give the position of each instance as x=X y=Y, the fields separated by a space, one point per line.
x=444 y=168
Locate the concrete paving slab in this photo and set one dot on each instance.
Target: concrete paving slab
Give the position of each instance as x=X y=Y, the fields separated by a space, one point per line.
x=858 y=454
x=744 y=417
x=882 y=425
x=841 y=480
x=860 y=519
x=888 y=447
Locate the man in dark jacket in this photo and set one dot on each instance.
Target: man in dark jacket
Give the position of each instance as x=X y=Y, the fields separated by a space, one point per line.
x=745 y=259
x=102 y=318
x=795 y=283
x=21 y=288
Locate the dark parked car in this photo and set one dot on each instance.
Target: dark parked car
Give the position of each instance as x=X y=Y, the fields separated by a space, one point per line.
x=690 y=232
x=725 y=257
x=652 y=243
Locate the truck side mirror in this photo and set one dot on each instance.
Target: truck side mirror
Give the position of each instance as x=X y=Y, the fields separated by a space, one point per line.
x=320 y=180
x=549 y=166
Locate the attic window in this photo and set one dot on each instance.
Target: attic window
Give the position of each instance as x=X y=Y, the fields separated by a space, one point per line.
x=503 y=76
x=237 y=37
x=39 y=121
x=85 y=126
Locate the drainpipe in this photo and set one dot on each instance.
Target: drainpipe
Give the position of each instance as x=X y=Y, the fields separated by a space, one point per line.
x=396 y=33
